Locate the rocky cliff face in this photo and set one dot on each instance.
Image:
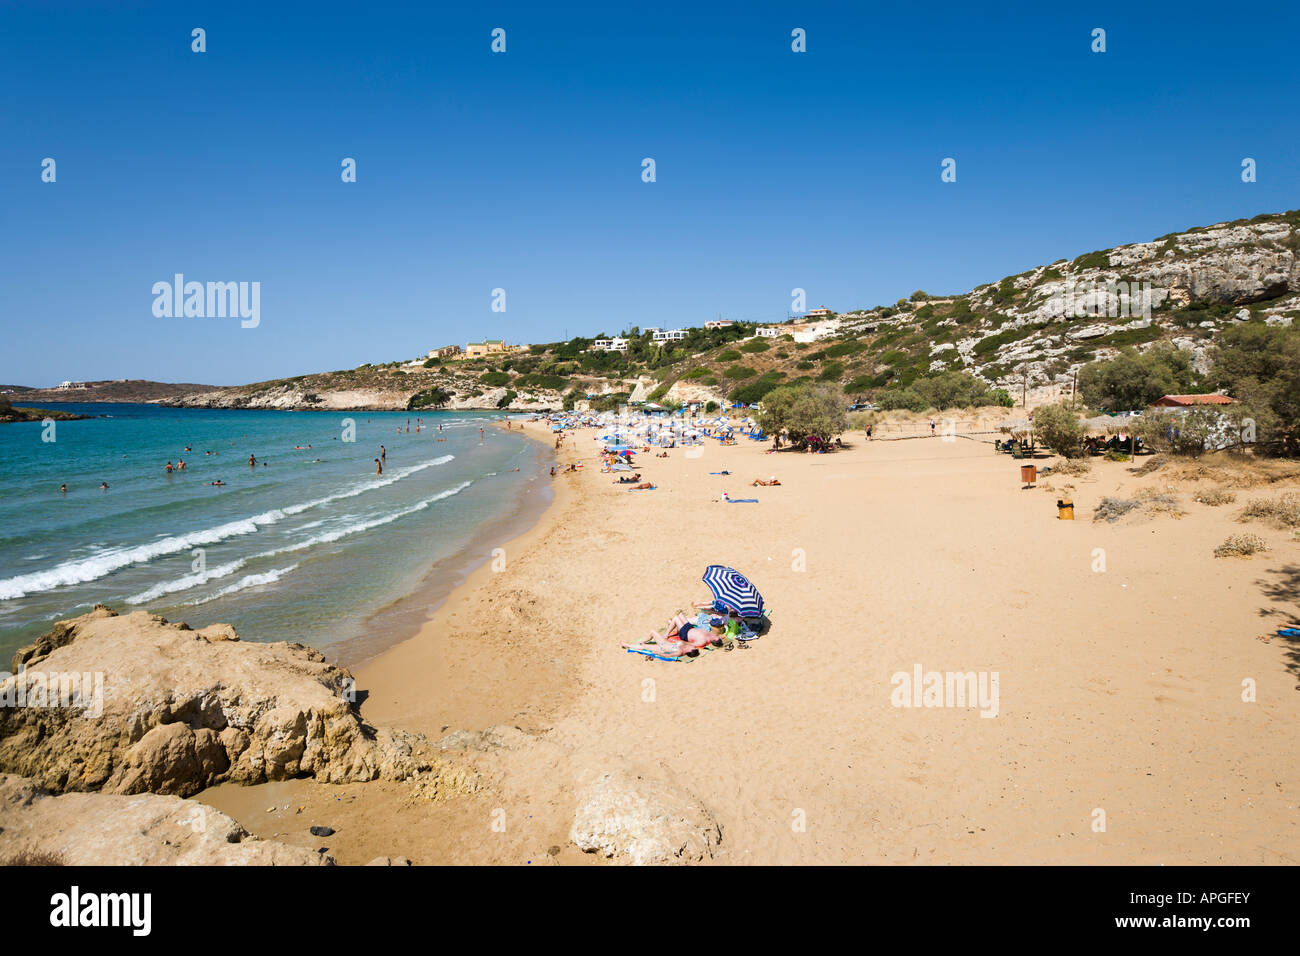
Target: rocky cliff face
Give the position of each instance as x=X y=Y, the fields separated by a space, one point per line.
x=1182 y=288
x=134 y=704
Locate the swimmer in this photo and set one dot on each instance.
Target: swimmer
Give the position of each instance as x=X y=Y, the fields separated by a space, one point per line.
x=252 y=462
x=63 y=489
x=103 y=486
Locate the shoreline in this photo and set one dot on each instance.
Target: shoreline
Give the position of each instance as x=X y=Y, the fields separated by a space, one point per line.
x=396 y=673
x=403 y=617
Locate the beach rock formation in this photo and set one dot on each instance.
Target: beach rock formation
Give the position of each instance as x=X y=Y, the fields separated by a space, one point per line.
x=161 y=708
x=98 y=829
x=638 y=820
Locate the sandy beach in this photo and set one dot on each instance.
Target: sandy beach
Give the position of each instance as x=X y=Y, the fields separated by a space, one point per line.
x=1119 y=733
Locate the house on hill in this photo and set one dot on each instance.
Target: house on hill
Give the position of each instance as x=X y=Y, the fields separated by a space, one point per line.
x=1188 y=401
x=486 y=347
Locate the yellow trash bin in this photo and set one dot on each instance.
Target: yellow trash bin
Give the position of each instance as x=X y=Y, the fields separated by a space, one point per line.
x=1065 y=509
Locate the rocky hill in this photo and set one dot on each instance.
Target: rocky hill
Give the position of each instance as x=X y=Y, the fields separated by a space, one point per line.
x=1027 y=333
x=115 y=390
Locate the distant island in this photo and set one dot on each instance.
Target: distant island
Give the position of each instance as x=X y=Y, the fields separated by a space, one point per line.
x=123 y=390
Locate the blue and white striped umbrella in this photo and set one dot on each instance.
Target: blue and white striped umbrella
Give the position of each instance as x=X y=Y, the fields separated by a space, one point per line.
x=733 y=590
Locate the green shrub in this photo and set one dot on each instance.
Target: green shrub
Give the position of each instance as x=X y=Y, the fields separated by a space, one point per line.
x=739 y=372
x=1060 y=429
x=755 y=345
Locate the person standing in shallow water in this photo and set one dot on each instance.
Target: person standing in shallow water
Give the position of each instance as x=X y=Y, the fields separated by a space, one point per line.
x=383 y=454
x=252 y=462
x=379 y=467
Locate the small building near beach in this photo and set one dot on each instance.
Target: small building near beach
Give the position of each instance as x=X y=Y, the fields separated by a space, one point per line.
x=1189 y=401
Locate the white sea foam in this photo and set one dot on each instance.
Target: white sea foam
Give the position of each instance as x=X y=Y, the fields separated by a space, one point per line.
x=172 y=585
x=104 y=562
x=248 y=581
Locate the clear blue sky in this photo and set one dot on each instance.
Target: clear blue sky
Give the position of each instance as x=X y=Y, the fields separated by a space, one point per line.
x=522 y=170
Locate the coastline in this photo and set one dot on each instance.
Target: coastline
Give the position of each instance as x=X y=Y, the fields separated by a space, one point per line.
x=405 y=616
x=418 y=685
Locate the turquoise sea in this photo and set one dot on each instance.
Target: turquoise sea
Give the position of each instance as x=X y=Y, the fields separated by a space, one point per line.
x=307 y=545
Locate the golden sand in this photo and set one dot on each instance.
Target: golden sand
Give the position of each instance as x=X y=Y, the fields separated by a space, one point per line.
x=1121 y=735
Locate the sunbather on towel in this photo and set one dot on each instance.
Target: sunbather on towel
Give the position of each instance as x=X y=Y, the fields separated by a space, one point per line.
x=629 y=480
x=759 y=482
x=684 y=637
x=644 y=486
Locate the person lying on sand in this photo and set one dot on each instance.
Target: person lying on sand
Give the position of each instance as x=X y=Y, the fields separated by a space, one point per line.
x=630 y=479
x=644 y=486
x=683 y=638
x=771 y=482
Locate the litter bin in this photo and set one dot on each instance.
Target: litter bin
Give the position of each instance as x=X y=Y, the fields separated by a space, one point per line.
x=1028 y=474
x=1065 y=509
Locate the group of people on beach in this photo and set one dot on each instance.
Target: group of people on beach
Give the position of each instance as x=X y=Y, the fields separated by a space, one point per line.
x=686 y=637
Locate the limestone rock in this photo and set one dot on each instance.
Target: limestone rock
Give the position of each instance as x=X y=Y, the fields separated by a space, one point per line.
x=176 y=710
x=638 y=820
x=99 y=829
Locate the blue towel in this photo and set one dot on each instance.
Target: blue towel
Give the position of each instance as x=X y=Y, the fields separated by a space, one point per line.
x=741 y=501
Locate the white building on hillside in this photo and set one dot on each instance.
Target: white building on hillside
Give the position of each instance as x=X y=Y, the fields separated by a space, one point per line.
x=609 y=345
x=669 y=335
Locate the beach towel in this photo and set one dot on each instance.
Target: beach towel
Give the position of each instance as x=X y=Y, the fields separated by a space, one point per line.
x=742 y=501
x=719 y=473
x=1288 y=631
x=658 y=657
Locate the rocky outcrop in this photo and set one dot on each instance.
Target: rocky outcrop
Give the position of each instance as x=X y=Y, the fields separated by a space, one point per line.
x=158 y=707
x=99 y=829
x=639 y=820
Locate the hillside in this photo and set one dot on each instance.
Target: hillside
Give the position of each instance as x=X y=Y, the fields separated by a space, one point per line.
x=116 y=390
x=1026 y=333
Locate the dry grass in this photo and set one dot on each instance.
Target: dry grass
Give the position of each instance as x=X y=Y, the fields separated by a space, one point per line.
x=1240 y=546
x=1219 y=496
x=33 y=858
x=1150 y=465
x=1239 y=473
x=1282 y=511
x=1072 y=466
x=1112 y=509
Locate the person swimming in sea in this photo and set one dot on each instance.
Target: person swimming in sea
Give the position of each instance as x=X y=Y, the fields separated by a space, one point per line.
x=103 y=486
x=252 y=462
x=63 y=489
x=169 y=467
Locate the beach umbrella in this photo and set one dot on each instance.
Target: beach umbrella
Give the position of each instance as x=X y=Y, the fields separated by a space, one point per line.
x=733 y=590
